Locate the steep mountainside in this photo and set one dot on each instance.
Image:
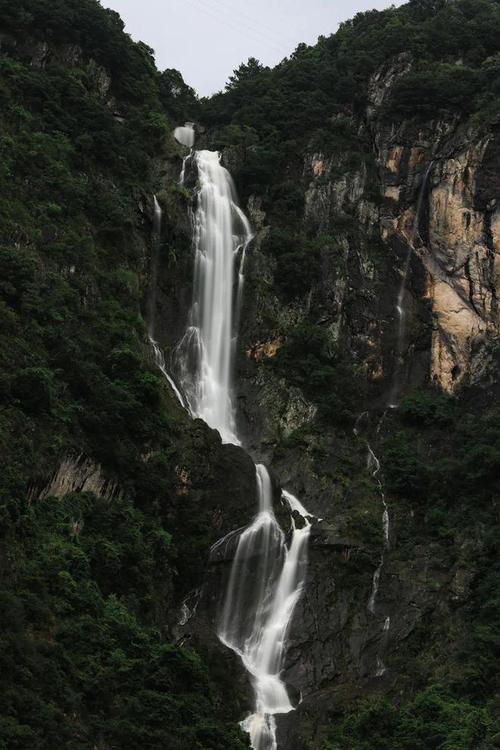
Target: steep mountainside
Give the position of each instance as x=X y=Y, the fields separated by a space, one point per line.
x=367 y=379
x=110 y=495
x=369 y=166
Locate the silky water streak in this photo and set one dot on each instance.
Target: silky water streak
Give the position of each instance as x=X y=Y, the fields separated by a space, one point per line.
x=151 y=307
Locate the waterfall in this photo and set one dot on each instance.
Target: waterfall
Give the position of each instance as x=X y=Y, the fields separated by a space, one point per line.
x=205 y=354
x=185 y=135
x=265 y=584
x=154 y=265
x=396 y=385
x=151 y=303
x=267 y=574
x=373 y=465
x=189 y=607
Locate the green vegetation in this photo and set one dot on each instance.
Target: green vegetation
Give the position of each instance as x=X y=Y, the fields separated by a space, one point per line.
x=89 y=586
x=454 y=49
x=443 y=461
x=444 y=452
x=325 y=374
x=433 y=720
x=81 y=659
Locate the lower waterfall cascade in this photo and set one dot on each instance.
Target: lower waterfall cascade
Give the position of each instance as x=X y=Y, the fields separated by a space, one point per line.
x=267 y=574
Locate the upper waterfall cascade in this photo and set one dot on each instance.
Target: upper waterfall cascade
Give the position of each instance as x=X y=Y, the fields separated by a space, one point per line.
x=267 y=575
x=205 y=354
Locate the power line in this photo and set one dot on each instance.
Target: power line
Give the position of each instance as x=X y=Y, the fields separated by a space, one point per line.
x=257 y=35
x=222 y=17
x=245 y=18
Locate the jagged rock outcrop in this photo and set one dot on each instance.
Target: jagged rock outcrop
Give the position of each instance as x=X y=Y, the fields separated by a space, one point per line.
x=453 y=240
x=78 y=474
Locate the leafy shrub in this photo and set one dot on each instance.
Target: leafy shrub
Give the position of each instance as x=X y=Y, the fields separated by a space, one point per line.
x=427 y=408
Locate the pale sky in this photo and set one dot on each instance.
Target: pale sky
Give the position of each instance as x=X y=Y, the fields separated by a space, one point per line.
x=207 y=39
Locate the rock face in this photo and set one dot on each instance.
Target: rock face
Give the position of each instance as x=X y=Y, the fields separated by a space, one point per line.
x=454 y=243
x=441 y=170
x=416 y=219
x=78 y=474
x=405 y=225
x=373 y=273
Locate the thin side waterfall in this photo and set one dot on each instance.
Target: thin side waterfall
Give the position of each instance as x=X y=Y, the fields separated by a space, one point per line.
x=151 y=304
x=400 y=309
x=154 y=265
x=267 y=574
x=373 y=465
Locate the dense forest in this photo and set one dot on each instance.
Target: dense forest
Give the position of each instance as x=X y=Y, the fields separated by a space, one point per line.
x=110 y=495
x=87 y=580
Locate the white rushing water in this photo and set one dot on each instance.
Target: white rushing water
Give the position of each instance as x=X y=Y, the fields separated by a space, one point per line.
x=205 y=354
x=265 y=584
x=185 y=135
x=267 y=575
x=154 y=266
x=373 y=465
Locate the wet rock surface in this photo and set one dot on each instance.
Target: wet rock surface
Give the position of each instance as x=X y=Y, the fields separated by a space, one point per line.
x=429 y=200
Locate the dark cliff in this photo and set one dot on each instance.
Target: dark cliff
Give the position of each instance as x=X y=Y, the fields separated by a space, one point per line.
x=369 y=169
x=110 y=496
x=365 y=161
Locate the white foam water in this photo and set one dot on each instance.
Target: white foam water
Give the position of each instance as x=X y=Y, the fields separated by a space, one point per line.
x=266 y=582
x=205 y=354
x=267 y=574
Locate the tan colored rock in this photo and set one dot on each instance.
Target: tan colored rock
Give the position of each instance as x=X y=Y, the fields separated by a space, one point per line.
x=394 y=159
x=393 y=192
x=298 y=412
x=318 y=167
x=495 y=230
x=417 y=156
x=461 y=275
x=458 y=261
x=265 y=350
x=456 y=326
x=184 y=480
x=495 y=235
x=78 y=474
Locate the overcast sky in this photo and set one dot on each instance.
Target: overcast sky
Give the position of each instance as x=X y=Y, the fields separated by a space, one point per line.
x=207 y=39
